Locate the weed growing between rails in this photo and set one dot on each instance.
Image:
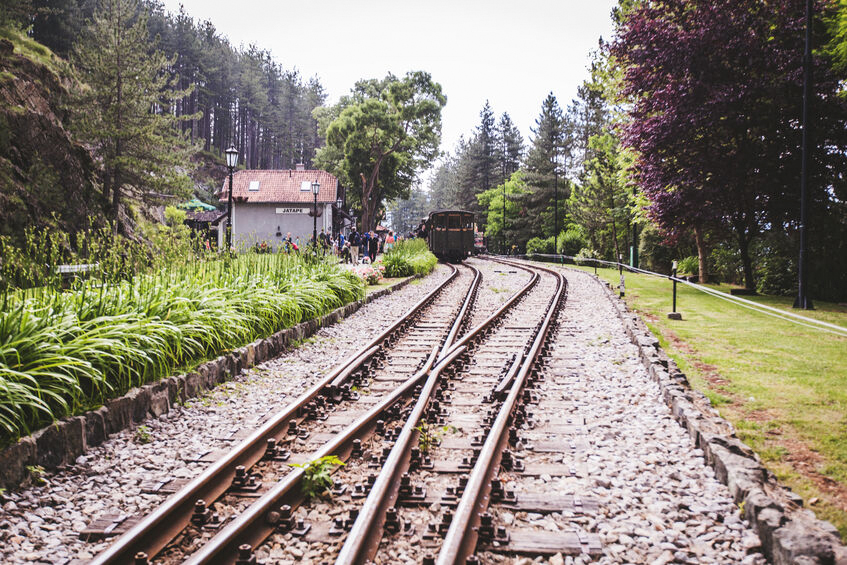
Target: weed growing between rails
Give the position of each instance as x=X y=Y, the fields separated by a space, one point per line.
x=62 y=352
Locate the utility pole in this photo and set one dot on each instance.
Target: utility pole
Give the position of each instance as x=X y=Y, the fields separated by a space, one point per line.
x=803 y=301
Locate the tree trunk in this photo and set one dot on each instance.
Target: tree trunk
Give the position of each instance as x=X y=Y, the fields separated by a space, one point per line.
x=746 y=262
x=701 y=253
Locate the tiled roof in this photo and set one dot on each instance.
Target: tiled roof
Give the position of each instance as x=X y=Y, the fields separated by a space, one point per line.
x=279 y=186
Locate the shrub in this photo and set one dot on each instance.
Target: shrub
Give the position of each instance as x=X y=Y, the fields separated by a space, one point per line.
x=688 y=266
x=63 y=352
x=539 y=245
x=571 y=241
x=409 y=257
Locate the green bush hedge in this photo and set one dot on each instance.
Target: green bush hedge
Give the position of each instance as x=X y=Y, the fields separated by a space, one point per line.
x=62 y=353
x=409 y=257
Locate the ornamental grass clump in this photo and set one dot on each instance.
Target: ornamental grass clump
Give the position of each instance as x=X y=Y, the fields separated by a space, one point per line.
x=62 y=352
x=407 y=258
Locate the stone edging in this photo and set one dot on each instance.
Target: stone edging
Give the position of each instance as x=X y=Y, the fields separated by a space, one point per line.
x=65 y=440
x=790 y=534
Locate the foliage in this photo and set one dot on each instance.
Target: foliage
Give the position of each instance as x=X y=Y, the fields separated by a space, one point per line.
x=688 y=265
x=571 y=241
x=384 y=133
x=36 y=474
x=140 y=149
x=142 y=434
x=406 y=213
x=317 y=474
x=516 y=214
x=538 y=245
x=371 y=274
x=63 y=352
x=429 y=436
x=714 y=90
x=409 y=257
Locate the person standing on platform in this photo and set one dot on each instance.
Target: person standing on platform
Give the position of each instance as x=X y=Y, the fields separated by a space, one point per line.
x=355 y=242
x=373 y=246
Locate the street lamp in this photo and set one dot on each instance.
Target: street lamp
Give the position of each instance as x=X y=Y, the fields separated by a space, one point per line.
x=231 y=161
x=338 y=203
x=316 y=188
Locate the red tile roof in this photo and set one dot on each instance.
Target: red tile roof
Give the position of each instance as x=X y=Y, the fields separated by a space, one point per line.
x=279 y=186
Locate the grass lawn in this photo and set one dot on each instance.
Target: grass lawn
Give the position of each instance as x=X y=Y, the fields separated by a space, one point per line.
x=782 y=385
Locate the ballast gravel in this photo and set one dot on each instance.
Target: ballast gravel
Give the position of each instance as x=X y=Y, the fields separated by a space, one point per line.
x=659 y=502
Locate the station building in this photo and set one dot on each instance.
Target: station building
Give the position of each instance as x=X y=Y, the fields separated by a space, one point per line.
x=269 y=204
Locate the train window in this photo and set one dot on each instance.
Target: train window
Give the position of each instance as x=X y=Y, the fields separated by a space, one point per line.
x=454 y=221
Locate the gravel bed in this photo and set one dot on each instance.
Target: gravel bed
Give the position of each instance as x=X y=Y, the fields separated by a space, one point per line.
x=658 y=500
x=41 y=524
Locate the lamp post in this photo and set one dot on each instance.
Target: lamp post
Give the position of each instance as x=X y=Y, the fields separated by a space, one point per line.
x=231 y=161
x=316 y=188
x=338 y=203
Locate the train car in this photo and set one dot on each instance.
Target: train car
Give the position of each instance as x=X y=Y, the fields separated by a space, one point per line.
x=450 y=234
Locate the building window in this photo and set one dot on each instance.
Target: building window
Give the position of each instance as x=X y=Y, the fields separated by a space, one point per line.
x=306 y=186
x=254 y=186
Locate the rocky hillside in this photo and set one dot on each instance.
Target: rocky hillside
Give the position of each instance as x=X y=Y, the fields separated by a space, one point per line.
x=46 y=178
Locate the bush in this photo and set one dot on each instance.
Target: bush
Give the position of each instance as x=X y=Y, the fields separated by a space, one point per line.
x=726 y=264
x=688 y=266
x=571 y=241
x=538 y=245
x=654 y=255
x=775 y=265
x=62 y=352
x=409 y=257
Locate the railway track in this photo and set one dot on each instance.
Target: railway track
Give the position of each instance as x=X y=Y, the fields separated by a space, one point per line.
x=264 y=455
x=464 y=443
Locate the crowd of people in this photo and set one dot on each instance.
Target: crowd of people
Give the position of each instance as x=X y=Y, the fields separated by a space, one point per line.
x=355 y=248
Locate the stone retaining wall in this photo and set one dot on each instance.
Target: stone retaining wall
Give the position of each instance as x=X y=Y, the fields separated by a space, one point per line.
x=790 y=534
x=65 y=440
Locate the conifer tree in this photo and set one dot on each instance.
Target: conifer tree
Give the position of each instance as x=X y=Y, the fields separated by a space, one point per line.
x=125 y=108
x=543 y=168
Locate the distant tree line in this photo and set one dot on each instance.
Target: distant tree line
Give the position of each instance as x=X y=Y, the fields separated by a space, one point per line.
x=236 y=95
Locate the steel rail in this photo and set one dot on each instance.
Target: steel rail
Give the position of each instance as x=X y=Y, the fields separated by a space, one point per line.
x=158 y=528
x=460 y=541
x=255 y=524
x=364 y=537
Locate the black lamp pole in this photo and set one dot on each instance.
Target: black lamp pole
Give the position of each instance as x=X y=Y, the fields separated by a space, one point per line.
x=231 y=161
x=316 y=187
x=503 y=230
x=802 y=300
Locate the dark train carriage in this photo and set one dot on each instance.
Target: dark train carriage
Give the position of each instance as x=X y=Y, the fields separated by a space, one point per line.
x=450 y=234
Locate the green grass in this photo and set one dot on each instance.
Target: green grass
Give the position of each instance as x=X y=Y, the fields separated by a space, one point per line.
x=783 y=386
x=63 y=352
x=407 y=258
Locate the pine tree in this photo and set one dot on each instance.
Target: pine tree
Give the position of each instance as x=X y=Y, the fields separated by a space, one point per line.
x=125 y=108
x=543 y=166
x=509 y=147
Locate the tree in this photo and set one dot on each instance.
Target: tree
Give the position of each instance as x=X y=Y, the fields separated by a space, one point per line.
x=386 y=131
x=715 y=89
x=513 y=226
x=543 y=168
x=599 y=204
x=406 y=213
x=510 y=147
x=125 y=108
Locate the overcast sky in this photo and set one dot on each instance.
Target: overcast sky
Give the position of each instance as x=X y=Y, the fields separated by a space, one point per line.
x=512 y=53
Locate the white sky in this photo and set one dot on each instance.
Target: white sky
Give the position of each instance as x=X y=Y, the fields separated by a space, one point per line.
x=512 y=53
